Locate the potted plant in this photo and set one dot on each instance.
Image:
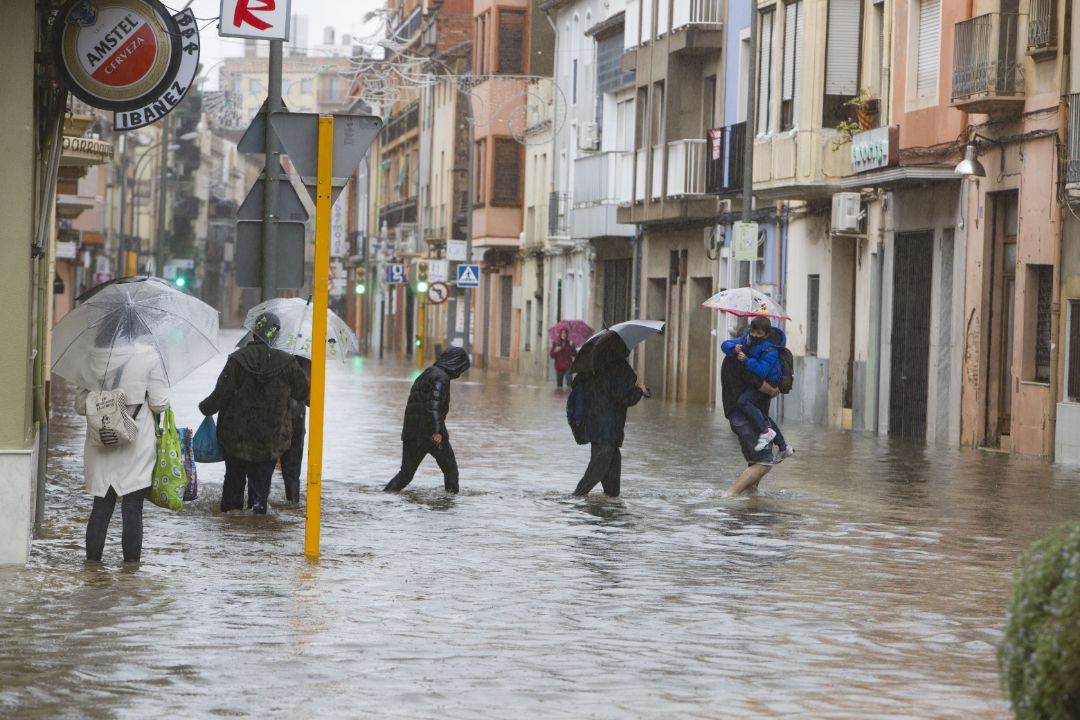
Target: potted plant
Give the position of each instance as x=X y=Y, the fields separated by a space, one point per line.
x=866 y=109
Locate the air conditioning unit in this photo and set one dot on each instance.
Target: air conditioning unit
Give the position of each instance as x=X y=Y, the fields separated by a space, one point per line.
x=846 y=212
x=588 y=136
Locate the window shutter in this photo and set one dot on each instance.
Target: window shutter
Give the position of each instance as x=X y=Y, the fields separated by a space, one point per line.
x=793 y=27
x=929 y=42
x=511 y=42
x=765 y=71
x=842 y=49
x=507 y=190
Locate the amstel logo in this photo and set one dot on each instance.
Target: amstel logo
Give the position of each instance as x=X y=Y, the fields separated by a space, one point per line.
x=116 y=54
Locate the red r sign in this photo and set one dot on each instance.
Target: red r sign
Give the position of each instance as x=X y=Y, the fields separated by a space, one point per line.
x=246 y=14
x=255 y=19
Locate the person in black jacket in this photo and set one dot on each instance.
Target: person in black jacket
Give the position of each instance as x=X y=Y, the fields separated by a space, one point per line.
x=292 y=460
x=254 y=424
x=424 y=432
x=609 y=391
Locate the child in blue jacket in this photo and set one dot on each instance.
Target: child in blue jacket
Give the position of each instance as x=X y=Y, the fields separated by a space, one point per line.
x=757 y=351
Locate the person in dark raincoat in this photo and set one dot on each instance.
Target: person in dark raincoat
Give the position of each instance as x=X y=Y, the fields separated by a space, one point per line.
x=609 y=391
x=254 y=425
x=424 y=431
x=292 y=460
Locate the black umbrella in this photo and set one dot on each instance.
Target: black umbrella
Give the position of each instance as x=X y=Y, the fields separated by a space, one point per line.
x=614 y=344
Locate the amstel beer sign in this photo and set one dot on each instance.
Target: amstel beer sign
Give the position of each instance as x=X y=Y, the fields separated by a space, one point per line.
x=118 y=54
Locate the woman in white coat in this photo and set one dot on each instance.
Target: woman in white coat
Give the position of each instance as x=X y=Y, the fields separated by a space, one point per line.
x=125 y=470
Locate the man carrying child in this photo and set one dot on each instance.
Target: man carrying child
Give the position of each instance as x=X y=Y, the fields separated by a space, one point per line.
x=757 y=350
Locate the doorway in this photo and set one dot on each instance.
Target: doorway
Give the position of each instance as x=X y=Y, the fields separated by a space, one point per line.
x=913 y=269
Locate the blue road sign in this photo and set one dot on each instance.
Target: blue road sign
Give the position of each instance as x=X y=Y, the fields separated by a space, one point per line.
x=468 y=276
x=395 y=274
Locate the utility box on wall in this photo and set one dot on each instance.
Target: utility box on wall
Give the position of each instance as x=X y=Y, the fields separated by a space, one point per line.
x=846 y=212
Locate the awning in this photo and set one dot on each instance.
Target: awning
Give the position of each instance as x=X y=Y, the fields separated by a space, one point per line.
x=899 y=176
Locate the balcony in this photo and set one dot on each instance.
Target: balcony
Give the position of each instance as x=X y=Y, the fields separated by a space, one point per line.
x=685 y=168
x=1042 y=28
x=595 y=179
x=1072 y=158
x=988 y=76
x=402 y=124
x=404 y=30
x=601 y=182
x=434 y=234
x=697 y=27
x=725 y=160
x=429 y=37
x=559 y=216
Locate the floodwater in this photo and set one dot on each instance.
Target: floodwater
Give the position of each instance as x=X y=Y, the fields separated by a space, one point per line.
x=868 y=579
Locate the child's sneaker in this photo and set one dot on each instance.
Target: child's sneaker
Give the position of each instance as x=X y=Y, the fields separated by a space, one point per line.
x=764 y=439
x=787 y=452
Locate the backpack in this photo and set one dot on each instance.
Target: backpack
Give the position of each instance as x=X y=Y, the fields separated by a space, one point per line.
x=576 y=411
x=787 y=370
x=108 y=419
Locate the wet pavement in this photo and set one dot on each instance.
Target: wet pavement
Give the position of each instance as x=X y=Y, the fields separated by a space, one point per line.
x=868 y=579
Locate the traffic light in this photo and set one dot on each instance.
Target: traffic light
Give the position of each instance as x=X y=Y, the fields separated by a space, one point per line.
x=421 y=278
x=182 y=279
x=361 y=280
x=419 y=341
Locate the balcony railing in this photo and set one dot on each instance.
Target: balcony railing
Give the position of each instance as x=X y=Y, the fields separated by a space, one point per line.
x=1042 y=26
x=403 y=123
x=724 y=162
x=698 y=12
x=686 y=168
x=407 y=28
x=632 y=27
x=987 y=64
x=657 y=172
x=596 y=179
x=559 y=215
x=434 y=234
x=1072 y=161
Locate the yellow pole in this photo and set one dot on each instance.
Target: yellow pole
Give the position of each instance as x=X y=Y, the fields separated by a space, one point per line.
x=421 y=331
x=131 y=264
x=319 y=304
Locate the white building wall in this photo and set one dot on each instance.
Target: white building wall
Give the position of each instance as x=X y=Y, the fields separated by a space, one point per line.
x=809 y=253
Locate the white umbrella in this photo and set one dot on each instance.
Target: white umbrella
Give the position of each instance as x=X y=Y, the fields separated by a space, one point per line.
x=180 y=329
x=745 y=302
x=295 y=316
x=614 y=342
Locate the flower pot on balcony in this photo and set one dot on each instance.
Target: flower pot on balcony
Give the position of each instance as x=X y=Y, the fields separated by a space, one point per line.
x=867 y=112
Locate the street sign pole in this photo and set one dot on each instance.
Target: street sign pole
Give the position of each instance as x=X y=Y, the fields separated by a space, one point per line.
x=271 y=176
x=321 y=280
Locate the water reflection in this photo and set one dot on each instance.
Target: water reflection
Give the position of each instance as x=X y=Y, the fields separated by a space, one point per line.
x=868 y=579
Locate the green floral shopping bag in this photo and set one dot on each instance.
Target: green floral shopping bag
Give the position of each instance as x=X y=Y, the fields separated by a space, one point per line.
x=170 y=479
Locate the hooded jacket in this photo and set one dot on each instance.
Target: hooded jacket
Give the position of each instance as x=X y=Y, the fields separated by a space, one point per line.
x=429 y=399
x=761 y=357
x=252 y=401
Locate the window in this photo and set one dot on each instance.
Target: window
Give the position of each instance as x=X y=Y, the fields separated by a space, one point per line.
x=479 y=194
x=506 y=313
x=1043 y=276
x=813 y=288
x=657 y=124
x=708 y=104
x=877 y=55
x=333 y=89
x=765 y=72
x=1072 y=350
x=573 y=85
x=507 y=189
x=928 y=36
x=255 y=85
x=617 y=289
x=306 y=86
x=842 y=59
x=480 y=59
x=624 y=124
x=511 y=42
x=789 y=95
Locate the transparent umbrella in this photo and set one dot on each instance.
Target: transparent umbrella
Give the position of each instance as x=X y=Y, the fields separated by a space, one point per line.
x=745 y=302
x=295 y=316
x=180 y=329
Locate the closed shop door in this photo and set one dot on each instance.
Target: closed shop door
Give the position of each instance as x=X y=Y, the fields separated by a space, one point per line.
x=908 y=385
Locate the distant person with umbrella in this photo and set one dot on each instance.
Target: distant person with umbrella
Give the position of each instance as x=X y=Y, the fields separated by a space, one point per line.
x=604 y=387
x=254 y=426
x=125 y=344
x=566 y=337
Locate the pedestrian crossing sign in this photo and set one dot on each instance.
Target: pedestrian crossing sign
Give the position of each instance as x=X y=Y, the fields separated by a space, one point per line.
x=468 y=276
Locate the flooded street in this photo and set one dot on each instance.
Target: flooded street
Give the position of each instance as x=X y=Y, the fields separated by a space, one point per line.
x=869 y=578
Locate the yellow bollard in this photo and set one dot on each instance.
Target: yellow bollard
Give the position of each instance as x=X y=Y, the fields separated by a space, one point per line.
x=131 y=264
x=319 y=304
x=421 y=331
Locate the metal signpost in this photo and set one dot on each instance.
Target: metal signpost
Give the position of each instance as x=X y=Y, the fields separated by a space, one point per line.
x=325 y=149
